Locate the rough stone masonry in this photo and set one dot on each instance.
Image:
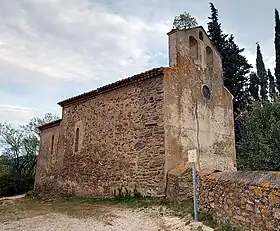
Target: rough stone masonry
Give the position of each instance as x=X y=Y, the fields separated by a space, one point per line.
x=134 y=134
x=250 y=200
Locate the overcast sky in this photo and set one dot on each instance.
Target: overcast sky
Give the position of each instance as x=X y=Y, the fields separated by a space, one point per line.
x=54 y=49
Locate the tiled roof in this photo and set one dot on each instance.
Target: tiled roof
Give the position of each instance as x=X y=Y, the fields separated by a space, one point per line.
x=121 y=83
x=50 y=125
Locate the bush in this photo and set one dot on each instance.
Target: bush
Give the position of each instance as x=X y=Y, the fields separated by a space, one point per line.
x=10 y=185
x=260 y=145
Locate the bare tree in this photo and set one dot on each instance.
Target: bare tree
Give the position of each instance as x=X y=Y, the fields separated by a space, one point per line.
x=19 y=147
x=184 y=21
x=35 y=122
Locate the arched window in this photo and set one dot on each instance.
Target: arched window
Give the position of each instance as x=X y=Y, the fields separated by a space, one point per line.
x=77 y=134
x=193 y=47
x=200 y=36
x=209 y=56
x=52 y=144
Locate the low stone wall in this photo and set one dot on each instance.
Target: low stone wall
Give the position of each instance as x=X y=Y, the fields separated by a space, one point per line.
x=179 y=183
x=250 y=200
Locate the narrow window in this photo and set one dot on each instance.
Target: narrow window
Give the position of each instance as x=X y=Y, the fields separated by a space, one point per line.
x=77 y=139
x=193 y=47
x=200 y=36
x=52 y=144
x=209 y=56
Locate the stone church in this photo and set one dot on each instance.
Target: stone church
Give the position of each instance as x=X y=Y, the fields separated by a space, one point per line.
x=135 y=134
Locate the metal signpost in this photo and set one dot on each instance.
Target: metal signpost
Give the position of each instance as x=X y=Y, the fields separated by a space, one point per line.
x=192 y=158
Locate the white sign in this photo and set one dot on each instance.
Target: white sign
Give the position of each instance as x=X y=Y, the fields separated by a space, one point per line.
x=192 y=156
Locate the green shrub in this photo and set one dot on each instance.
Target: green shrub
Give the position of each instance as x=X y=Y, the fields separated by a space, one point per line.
x=8 y=185
x=11 y=185
x=260 y=145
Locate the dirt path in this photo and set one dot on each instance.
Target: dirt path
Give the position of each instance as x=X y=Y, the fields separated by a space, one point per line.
x=12 y=198
x=22 y=215
x=124 y=221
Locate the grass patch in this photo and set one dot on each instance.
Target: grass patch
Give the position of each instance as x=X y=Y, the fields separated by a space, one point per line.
x=227 y=227
x=180 y=208
x=207 y=219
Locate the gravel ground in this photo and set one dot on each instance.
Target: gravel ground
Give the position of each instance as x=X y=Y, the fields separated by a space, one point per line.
x=119 y=220
x=28 y=217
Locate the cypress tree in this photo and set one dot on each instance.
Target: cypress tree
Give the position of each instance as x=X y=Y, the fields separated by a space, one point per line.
x=272 y=85
x=235 y=69
x=261 y=74
x=235 y=65
x=254 y=86
x=214 y=29
x=277 y=49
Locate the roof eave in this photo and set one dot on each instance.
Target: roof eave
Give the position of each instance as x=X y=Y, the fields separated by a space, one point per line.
x=50 y=125
x=110 y=87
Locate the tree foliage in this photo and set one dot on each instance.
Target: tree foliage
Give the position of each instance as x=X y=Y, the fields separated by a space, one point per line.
x=277 y=49
x=235 y=65
x=272 y=86
x=215 y=30
x=260 y=145
x=19 y=147
x=254 y=86
x=184 y=21
x=235 y=68
x=261 y=71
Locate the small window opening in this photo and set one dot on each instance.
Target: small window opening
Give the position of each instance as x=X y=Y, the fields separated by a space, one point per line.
x=200 y=36
x=209 y=56
x=206 y=92
x=193 y=47
x=52 y=144
x=77 y=134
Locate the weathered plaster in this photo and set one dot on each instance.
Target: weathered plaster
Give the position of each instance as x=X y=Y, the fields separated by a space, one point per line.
x=191 y=120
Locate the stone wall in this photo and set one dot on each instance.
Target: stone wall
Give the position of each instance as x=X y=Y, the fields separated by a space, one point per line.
x=250 y=200
x=120 y=145
x=179 y=183
x=48 y=162
x=192 y=120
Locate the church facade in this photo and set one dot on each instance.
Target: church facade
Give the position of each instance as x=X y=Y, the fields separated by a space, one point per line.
x=134 y=134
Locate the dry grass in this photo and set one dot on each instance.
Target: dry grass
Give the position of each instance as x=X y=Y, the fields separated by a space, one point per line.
x=25 y=208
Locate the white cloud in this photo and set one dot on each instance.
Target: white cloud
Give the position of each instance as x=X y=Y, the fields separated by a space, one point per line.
x=46 y=44
x=15 y=108
x=16 y=114
x=54 y=49
x=70 y=39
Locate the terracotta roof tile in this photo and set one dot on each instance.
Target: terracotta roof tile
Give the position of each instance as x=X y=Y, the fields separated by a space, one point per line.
x=124 y=82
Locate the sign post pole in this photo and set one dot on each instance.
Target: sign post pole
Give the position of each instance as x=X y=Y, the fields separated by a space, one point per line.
x=192 y=158
x=194 y=192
